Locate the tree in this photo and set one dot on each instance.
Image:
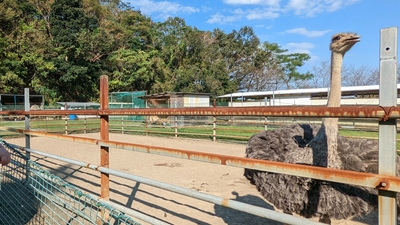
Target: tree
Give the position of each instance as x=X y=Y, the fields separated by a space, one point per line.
x=351 y=76
x=193 y=59
x=289 y=63
x=359 y=76
x=76 y=77
x=59 y=48
x=43 y=8
x=321 y=75
x=398 y=74
x=134 y=61
x=22 y=44
x=270 y=67
x=134 y=71
x=10 y=13
x=238 y=49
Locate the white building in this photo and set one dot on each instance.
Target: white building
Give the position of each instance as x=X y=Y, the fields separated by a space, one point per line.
x=356 y=95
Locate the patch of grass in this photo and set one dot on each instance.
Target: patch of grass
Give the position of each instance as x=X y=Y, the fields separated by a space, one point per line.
x=358 y=133
x=224 y=132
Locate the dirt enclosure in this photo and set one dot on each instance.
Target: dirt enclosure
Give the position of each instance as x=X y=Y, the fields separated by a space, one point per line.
x=218 y=180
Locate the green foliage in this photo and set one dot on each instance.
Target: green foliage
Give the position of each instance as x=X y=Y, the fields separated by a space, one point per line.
x=75 y=51
x=287 y=65
x=60 y=48
x=133 y=71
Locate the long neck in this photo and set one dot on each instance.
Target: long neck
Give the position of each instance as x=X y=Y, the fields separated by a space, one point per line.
x=336 y=80
x=330 y=125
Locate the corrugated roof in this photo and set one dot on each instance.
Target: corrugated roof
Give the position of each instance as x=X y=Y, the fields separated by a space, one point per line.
x=79 y=104
x=301 y=91
x=169 y=94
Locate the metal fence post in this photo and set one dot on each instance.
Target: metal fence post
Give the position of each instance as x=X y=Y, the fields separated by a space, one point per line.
x=387 y=128
x=104 y=135
x=27 y=127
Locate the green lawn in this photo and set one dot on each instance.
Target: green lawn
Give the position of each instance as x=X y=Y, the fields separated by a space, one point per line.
x=360 y=133
x=224 y=132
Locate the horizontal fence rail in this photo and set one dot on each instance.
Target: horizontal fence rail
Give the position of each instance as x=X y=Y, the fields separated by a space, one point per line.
x=255 y=210
x=382 y=113
x=224 y=128
x=382 y=182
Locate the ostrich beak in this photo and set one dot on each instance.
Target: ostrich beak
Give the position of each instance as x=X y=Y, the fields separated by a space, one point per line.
x=354 y=38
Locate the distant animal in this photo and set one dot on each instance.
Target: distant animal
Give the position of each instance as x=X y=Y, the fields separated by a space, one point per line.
x=317 y=146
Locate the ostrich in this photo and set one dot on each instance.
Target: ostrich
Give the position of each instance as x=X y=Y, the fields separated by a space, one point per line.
x=318 y=146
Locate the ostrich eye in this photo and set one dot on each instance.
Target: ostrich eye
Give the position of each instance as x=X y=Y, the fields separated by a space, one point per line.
x=337 y=38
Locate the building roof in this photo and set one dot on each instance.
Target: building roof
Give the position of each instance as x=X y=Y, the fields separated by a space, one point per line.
x=79 y=104
x=169 y=94
x=352 y=89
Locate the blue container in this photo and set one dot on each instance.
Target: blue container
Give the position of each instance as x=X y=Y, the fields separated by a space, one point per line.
x=73 y=117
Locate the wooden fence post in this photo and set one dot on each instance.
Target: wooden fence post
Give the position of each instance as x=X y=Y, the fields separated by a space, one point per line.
x=146 y=126
x=266 y=123
x=122 y=124
x=214 y=128
x=176 y=126
x=66 y=124
x=84 y=125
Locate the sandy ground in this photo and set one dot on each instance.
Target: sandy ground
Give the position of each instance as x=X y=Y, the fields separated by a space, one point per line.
x=218 y=180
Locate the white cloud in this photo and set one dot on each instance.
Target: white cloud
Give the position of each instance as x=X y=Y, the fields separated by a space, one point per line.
x=307 y=7
x=264 y=13
x=221 y=19
x=238 y=11
x=237 y=14
x=301 y=47
x=312 y=7
x=254 y=9
x=298 y=7
x=272 y=9
x=334 y=6
x=307 y=33
x=252 y=2
x=164 y=9
x=205 y=9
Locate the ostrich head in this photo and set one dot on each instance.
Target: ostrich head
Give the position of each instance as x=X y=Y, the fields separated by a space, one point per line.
x=342 y=42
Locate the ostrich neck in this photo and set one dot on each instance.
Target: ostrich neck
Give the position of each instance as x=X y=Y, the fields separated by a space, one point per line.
x=336 y=80
x=329 y=129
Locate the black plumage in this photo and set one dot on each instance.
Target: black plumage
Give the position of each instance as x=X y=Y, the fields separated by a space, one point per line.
x=309 y=197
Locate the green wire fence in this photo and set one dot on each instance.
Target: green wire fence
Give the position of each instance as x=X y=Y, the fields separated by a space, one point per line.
x=31 y=195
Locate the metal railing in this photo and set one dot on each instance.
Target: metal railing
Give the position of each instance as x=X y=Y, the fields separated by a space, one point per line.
x=32 y=195
x=386 y=181
x=227 y=128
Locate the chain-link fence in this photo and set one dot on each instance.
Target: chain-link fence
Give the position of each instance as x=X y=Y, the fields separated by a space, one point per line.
x=31 y=195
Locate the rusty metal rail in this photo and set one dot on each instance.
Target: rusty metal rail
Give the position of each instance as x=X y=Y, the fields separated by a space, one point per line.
x=381 y=182
x=382 y=113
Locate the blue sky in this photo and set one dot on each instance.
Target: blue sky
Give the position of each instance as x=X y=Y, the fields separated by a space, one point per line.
x=304 y=26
